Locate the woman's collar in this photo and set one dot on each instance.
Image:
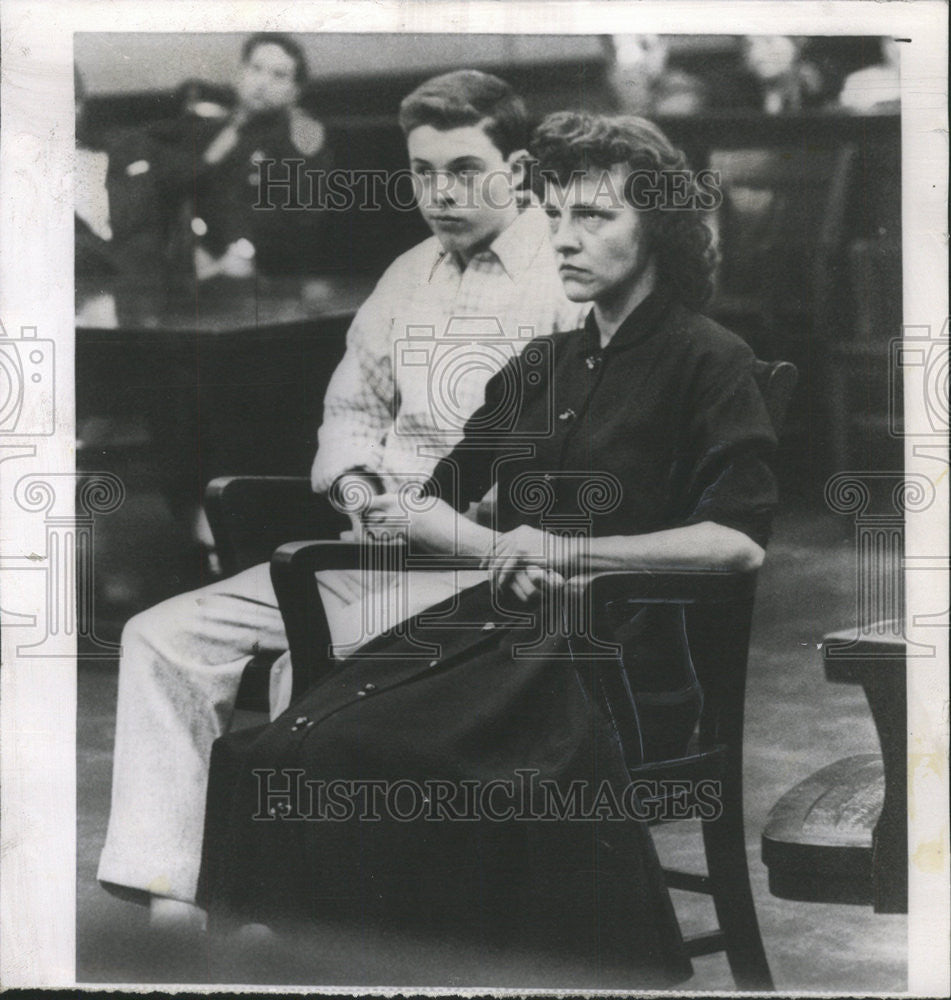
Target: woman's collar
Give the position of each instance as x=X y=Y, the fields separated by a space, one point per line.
x=643 y=320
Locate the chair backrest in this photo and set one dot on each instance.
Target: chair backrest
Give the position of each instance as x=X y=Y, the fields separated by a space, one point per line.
x=719 y=635
x=777 y=382
x=250 y=516
x=717 y=631
x=782 y=223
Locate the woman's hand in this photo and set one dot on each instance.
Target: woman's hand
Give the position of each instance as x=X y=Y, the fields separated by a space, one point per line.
x=530 y=583
x=520 y=563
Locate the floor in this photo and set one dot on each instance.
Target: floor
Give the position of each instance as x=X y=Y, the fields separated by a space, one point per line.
x=796 y=723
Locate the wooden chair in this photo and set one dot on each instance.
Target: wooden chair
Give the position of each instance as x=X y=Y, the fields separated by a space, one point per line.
x=250 y=516
x=781 y=241
x=717 y=607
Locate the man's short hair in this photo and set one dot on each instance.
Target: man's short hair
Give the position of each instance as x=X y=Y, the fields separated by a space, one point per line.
x=569 y=143
x=284 y=42
x=468 y=97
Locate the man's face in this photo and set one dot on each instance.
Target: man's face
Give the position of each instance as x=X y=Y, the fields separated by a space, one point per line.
x=267 y=80
x=465 y=186
x=599 y=237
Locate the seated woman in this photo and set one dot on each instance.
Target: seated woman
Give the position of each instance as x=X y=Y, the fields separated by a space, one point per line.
x=646 y=429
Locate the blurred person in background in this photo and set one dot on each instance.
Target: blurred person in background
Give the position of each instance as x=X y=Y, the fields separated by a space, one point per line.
x=265 y=124
x=875 y=89
x=788 y=80
x=180 y=195
x=120 y=208
x=218 y=157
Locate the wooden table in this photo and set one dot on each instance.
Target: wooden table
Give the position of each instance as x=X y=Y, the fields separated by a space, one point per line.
x=179 y=383
x=841 y=835
x=220 y=377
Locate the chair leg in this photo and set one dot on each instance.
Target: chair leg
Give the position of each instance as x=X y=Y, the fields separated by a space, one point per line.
x=733 y=898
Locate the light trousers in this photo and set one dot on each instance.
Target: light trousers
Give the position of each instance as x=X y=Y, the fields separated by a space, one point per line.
x=179 y=672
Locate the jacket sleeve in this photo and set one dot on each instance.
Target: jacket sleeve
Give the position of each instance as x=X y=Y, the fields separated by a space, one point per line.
x=726 y=468
x=361 y=398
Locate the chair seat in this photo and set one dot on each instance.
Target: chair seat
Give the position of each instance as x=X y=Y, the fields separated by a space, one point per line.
x=817 y=843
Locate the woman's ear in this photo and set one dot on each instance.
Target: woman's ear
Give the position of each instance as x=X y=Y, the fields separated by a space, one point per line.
x=518 y=160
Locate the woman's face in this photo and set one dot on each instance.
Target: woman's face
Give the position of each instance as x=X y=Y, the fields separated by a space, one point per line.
x=598 y=236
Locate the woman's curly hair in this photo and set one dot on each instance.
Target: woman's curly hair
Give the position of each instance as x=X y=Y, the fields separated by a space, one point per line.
x=568 y=143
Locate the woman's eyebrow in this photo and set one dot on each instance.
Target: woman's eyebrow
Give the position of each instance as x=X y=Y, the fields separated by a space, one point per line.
x=466 y=161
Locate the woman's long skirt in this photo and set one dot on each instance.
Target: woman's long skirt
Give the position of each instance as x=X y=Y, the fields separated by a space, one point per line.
x=460 y=778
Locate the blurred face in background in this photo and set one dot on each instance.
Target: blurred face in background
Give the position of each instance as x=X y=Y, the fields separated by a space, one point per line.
x=268 y=80
x=465 y=187
x=769 y=57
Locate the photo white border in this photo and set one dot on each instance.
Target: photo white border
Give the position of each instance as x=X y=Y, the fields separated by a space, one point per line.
x=38 y=697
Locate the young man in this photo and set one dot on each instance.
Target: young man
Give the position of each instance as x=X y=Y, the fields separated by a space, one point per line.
x=459 y=304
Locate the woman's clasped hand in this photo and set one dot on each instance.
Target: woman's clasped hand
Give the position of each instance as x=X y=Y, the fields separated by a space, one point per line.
x=520 y=562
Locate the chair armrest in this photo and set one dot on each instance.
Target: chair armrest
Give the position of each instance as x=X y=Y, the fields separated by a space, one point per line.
x=663 y=586
x=313 y=556
x=251 y=515
x=294 y=565
x=293 y=569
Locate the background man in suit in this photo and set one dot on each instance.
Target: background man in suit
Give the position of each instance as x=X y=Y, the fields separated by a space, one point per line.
x=266 y=124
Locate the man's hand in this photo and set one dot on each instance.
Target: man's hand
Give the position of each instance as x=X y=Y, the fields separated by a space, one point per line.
x=225 y=141
x=351 y=494
x=385 y=518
